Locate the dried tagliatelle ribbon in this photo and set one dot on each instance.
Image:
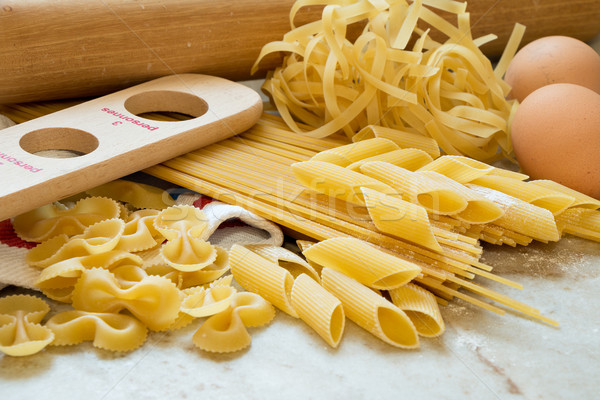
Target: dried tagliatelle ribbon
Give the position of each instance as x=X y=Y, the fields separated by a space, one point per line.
x=394 y=75
x=20 y=331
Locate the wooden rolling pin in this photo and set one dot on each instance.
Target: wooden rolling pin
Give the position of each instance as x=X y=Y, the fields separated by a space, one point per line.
x=77 y=48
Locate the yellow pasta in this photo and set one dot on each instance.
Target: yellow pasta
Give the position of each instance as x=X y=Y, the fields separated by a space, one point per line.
x=446 y=91
x=263 y=277
x=20 y=331
x=399 y=218
x=57 y=280
x=363 y=262
x=54 y=219
x=336 y=181
x=285 y=258
x=139 y=233
x=101 y=237
x=410 y=159
x=416 y=188
x=581 y=200
x=479 y=210
x=108 y=331
x=402 y=138
x=371 y=311
x=139 y=195
x=579 y=221
x=183 y=226
x=555 y=202
x=458 y=168
x=154 y=300
x=185 y=280
x=318 y=309
x=350 y=153
x=226 y=331
x=421 y=307
x=520 y=216
x=208 y=302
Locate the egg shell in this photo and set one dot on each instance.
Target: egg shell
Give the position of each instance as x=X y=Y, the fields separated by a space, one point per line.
x=556 y=135
x=553 y=59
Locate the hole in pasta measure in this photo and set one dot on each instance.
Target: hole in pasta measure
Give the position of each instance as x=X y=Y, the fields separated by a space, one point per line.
x=59 y=142
x=166 y=105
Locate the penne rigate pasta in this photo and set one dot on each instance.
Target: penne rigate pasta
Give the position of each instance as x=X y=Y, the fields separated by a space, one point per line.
x=350 y=153
x=421 y=307
x=410 y=159
x=363 y=262
x=319 y=309
x=263 y=277
x=402 y=138
x=371 y=311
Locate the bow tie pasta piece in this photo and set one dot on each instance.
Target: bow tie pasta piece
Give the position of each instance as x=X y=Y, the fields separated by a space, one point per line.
x=129 y=275
x=183 y=227
x=188 y=254
x=98 y=238
x=208 y=302
x=54 y=219
x=139 y=233
x=284 y=258
x=226 y=331
x=57 y=280
x=108 y=331
x=20 y=331
x=139 y=195
x=222 y=333
x=181 y=221
x=154 y=300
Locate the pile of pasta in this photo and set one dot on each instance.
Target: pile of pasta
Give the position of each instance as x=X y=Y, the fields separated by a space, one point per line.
x=126 y=271
x=394 y=75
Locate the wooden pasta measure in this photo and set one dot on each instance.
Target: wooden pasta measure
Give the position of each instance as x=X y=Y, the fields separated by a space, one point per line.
x=112 y=138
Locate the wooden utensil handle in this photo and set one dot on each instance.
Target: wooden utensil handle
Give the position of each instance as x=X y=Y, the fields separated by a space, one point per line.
x=77 y=48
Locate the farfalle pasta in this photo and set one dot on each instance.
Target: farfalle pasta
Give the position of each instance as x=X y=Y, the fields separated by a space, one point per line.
x=183 y=227
x=108 y=331
x=207 y=302
x=20 y=331
x=226 y=331
x=54 y=219
x=99 y=238
x=185 y=280
x=57 y=280
x=139 y=195
x=154 y=300
x=139 y=233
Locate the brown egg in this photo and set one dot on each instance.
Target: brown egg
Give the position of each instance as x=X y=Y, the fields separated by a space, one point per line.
x=556 y=135
x=553 y=59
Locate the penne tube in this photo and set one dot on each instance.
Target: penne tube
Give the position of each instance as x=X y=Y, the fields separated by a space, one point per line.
x=350 y=153
x=371 y=311
x=421 y=307
x=322 y=311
